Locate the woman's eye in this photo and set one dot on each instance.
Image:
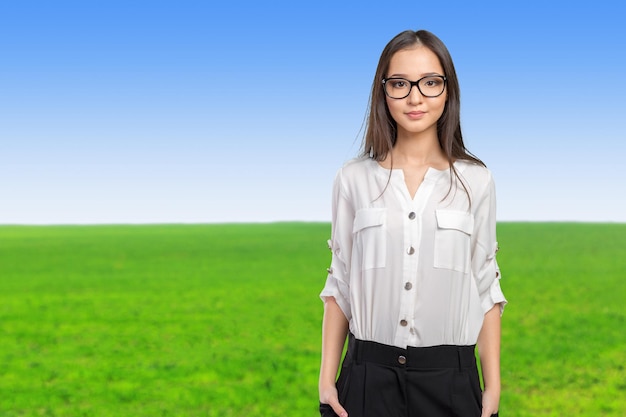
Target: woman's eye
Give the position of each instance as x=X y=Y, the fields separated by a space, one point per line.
x=433 y=82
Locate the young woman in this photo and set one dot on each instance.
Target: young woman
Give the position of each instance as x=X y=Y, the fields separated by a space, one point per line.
x=413 y=282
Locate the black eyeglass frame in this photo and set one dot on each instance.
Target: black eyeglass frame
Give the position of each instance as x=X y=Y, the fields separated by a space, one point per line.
x=416 y=84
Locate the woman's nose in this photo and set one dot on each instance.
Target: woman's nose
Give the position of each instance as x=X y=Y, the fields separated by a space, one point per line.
x=415 y=95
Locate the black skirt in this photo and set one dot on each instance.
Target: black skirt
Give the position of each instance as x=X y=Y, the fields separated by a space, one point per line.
x=378 y=380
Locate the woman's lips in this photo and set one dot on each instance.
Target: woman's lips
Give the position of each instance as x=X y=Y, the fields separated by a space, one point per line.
x=415 y=114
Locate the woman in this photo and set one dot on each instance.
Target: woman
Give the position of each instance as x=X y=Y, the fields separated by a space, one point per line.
x=413 y=281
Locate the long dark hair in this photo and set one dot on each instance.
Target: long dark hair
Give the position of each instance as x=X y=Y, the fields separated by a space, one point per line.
x=381 y=129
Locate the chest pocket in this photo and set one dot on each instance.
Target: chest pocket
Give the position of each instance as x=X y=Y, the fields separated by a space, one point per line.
x=370 y=237
x=452 y=240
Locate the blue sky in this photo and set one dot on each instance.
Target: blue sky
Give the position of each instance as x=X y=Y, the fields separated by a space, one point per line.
x=188 y=111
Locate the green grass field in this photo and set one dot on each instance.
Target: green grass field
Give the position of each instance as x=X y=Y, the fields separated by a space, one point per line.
x=224 y=320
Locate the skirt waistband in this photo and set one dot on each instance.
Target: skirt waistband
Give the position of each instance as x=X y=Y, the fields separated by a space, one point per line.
x=444 y=356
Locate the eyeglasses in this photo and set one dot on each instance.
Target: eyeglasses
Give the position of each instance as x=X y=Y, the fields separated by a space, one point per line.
x=429 y=86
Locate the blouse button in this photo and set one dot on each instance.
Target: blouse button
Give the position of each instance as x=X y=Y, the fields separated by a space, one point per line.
x=403 y=323
x=408 y=286
x=412 y=215
x=410 y=250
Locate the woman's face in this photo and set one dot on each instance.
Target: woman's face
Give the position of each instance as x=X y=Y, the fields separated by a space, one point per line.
x=415 y=114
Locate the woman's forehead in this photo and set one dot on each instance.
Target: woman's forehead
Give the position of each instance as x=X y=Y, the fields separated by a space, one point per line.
x=414 y=62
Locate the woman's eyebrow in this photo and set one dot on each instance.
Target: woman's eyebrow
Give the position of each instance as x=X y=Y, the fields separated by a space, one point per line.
x=425 y=74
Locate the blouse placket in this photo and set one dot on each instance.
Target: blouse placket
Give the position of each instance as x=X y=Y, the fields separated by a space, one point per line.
x=412 y=211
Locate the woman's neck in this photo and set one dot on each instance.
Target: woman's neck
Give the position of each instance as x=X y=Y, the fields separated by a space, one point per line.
x=418 y=150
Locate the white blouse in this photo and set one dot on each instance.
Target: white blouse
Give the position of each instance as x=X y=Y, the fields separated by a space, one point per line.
x=414 y=271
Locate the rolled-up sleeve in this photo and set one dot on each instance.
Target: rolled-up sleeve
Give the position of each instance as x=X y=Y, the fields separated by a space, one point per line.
x=340 y=244
x=485 y=246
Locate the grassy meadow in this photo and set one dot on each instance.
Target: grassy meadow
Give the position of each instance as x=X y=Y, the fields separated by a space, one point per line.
x=224 y=320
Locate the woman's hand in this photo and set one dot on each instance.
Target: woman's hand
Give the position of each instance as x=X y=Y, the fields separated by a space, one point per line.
x=328 y=395
x=491 y=403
